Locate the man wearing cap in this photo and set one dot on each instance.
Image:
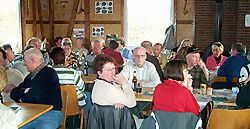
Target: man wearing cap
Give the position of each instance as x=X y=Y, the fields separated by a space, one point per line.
x=197 y=67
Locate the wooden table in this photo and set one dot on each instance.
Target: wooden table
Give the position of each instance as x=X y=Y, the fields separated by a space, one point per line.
x=28 y=112
x=144 y=98
x=90 y=78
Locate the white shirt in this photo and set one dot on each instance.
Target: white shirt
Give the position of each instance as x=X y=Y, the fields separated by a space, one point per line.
x=147 y=73
x=7 y=118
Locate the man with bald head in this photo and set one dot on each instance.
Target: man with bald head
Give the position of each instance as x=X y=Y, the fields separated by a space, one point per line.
x=145 y=71
x=40 y=86
x=36 y=42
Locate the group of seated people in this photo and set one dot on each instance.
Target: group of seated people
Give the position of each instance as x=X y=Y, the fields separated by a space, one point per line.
x=115 y=65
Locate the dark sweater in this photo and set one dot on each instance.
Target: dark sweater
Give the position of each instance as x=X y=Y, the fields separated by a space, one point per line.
x=45 y=89
x=156 y=63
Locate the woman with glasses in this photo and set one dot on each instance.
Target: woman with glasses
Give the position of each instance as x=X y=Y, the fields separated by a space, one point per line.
x=111 y=88
x=174 y=94
x=217 y=59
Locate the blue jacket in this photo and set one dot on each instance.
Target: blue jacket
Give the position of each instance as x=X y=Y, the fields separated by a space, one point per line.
x=232 y=66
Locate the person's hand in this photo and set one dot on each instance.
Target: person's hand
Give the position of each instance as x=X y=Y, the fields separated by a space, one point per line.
x=26 y=90
x=201 y=64
x=118 y=78
x=119 y=106
x=142 y=81
x=188 y=82
x=8 y=88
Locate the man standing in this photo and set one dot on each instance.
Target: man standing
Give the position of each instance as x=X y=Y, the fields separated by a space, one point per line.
x=40 y=86
x=145 y=71
x=162 y=58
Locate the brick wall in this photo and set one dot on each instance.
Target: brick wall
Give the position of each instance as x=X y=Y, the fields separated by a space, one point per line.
x=242 y=32
x=233 y=23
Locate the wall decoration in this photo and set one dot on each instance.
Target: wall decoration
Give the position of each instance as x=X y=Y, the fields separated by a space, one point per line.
x=78 y=33
x=104 y=7
x=97 y=31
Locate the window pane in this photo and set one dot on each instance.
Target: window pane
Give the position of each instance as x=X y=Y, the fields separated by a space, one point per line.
x=146 y=20
x=10 y=25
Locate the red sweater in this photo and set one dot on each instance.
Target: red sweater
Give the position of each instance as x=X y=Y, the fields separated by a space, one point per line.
x=171 y=96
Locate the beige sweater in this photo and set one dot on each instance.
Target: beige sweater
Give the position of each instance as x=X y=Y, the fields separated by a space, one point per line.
x=105 y=93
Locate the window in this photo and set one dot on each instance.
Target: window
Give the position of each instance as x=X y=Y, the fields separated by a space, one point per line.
x=10 y=24
x=146 y=20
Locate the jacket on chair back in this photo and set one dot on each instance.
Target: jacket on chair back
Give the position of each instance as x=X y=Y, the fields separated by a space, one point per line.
x=107 y=117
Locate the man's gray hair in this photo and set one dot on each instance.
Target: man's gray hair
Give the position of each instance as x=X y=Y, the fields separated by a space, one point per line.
x=35 y=53
x=135 y=49
x=34 y=41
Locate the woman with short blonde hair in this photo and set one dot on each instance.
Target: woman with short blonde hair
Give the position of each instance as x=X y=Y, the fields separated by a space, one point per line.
x=217 y=59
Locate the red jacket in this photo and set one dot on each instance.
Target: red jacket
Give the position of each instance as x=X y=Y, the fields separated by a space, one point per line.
x=171 y=96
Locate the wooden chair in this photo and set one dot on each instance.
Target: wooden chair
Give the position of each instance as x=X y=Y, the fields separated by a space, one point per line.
x=220 y=79
x=72 y=104
x=64 y=109
x=229 y=119
x=235 y=80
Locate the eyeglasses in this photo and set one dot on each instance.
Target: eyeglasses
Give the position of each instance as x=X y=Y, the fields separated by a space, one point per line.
x=109 y=69
x=137 y=56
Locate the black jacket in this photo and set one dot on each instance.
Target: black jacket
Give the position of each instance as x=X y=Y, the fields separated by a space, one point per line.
x=107 y=117
x=156 y=63
x=171 y=120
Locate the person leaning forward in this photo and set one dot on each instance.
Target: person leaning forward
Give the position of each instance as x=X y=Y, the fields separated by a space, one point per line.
x=40 y=86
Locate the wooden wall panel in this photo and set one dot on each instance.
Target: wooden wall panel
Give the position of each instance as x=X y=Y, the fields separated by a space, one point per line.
x=185 y=20
x=60 y=30
x=62 y=9
x=58 y=24
x=29 y=32
x=184 y=31
x=190 y=9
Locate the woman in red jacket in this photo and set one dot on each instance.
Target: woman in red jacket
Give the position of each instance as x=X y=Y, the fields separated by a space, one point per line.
x=172 y=95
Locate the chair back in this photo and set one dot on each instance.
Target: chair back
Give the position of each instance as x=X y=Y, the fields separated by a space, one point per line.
x=229 y=119
x=108 y=117
x=235 y=80
x=205 y=113
x=171 y=120
x=72 y=103
x=64 y=108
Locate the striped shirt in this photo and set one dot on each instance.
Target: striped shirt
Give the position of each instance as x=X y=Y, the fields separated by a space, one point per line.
x=71 y=76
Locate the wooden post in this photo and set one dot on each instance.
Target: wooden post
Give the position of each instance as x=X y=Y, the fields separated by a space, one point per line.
x=51 y=23
x=34 y=16
x=87 y=23
x=122 y=18
x=40 y=14
x=73 y=17
x=23 y=22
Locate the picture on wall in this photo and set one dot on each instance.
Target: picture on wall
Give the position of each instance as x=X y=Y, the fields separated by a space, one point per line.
x=104 y=7
x=78 y=33
x=97 y=31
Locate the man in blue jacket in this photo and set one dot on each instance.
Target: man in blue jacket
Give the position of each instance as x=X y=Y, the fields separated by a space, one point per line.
x=232 y=66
